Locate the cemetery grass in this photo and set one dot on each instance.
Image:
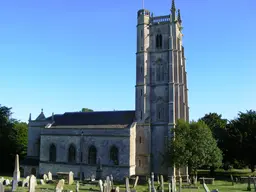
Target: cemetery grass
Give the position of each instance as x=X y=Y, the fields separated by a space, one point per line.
x=222 y=186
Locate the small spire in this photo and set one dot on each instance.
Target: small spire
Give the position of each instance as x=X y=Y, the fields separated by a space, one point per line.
x=42 y=110
x=173 y=6
x=52 y=116
x=29 y=119
x=179 y=17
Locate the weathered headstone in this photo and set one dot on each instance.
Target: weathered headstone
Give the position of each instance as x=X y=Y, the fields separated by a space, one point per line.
x=77 y=186
x=16 y=173
x=105 y=187
x=70 y=178
x=25 y=182
x=158 y=180
x=42 y=182
x=117 y=189
x=153 y=189
x=60 y=186
x=173 y=184
x=149 y=184
x=232 y=179
x=169 y=186
x=6 y=182
x=32 y=184
x=108 y=184
x=112 y=181
x=99 y=170
x=249 y=183
x=93 y=178
x=14 y=185
x=1 y=180
x=162 y=183
x=127 y=185
x=49 y=176
x=180 y=184
x=45 y=177
x=136 y=182
x=101 y=185
x=1 y=187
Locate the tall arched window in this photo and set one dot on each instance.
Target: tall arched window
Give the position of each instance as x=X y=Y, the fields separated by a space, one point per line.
x=114 y=155
x=92 y=155
x=72 y=153
x=52 y=153
x=159 y=41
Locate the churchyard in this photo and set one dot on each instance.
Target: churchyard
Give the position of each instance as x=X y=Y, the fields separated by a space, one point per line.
x=65 y=182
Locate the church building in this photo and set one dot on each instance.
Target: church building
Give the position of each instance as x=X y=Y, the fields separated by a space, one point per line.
x=127 y=142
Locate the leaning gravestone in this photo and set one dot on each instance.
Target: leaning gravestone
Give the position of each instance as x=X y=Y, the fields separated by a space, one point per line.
x=135 y=182
x=127 y=185
x=60 y=186
x=117 y=189
x=149 y=185
x=32 y=184
x=42 y=182
x=1 y=187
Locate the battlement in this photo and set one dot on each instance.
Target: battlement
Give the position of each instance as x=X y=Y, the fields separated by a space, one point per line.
x=143 y=12
x=160 y=19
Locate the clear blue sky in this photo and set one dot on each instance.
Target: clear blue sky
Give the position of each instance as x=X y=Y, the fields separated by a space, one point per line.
x=62 y=55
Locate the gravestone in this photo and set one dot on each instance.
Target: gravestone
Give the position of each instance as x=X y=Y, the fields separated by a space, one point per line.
x=42 y=182
x=70 y=178
x=32 y=184
x=158 y=180
x=105 y=187
x=1 y=187
x=1 y=180
x=14 y=185
x=173 y=184
x=25 y=182
x=153 y=189
x=136 y=182
x=6 y=182
x=108 y=184
x=169 y=187
x=162 y=183
x=117 y=189
x=49 y=176
x=180 y=184
x=45 y=177
x=112 y=181
x=92 y=178
x=99 y=170
x=232 y=179
x=207 y=189
x=149 y=185
x=101 y=185
x=60 y=186
x=127 y=185
x=16 y=173
x=77 y=186
x=249 y=183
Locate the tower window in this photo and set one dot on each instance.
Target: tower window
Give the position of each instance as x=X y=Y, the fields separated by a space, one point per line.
x=140 y=140
x=141 y=69
x=141 y=92
x=159 y=115
x=159 y=41
x=141 y=33
x=139 y=163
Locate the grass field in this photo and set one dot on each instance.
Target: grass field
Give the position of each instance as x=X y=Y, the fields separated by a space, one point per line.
x=222 y=186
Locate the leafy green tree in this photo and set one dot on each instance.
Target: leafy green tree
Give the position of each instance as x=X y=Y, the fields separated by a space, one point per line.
x=86 y=110
x=193 y=145
x=242 y=134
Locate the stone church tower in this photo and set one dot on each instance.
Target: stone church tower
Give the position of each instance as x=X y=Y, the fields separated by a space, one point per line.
x=161 y=86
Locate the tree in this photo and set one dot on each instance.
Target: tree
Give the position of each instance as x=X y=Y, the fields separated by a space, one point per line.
x=193 y=145
x=86 y=110
x=13 y=139
x=218 y=127
x=242 y=134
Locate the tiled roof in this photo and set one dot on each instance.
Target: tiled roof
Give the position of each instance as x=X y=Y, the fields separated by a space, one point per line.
x=95 y=118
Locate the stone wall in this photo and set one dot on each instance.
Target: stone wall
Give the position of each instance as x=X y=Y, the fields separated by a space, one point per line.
x=118 y=172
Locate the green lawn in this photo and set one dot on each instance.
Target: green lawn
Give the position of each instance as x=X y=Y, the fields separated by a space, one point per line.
x=220 y=185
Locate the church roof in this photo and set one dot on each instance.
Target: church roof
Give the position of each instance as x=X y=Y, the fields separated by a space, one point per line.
x=95 y=118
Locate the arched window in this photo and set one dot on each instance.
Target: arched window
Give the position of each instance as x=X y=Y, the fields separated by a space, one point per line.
x=92 y=155
x=159 y=41
x=72 y=153
x=52 y=155
x=114 y=155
